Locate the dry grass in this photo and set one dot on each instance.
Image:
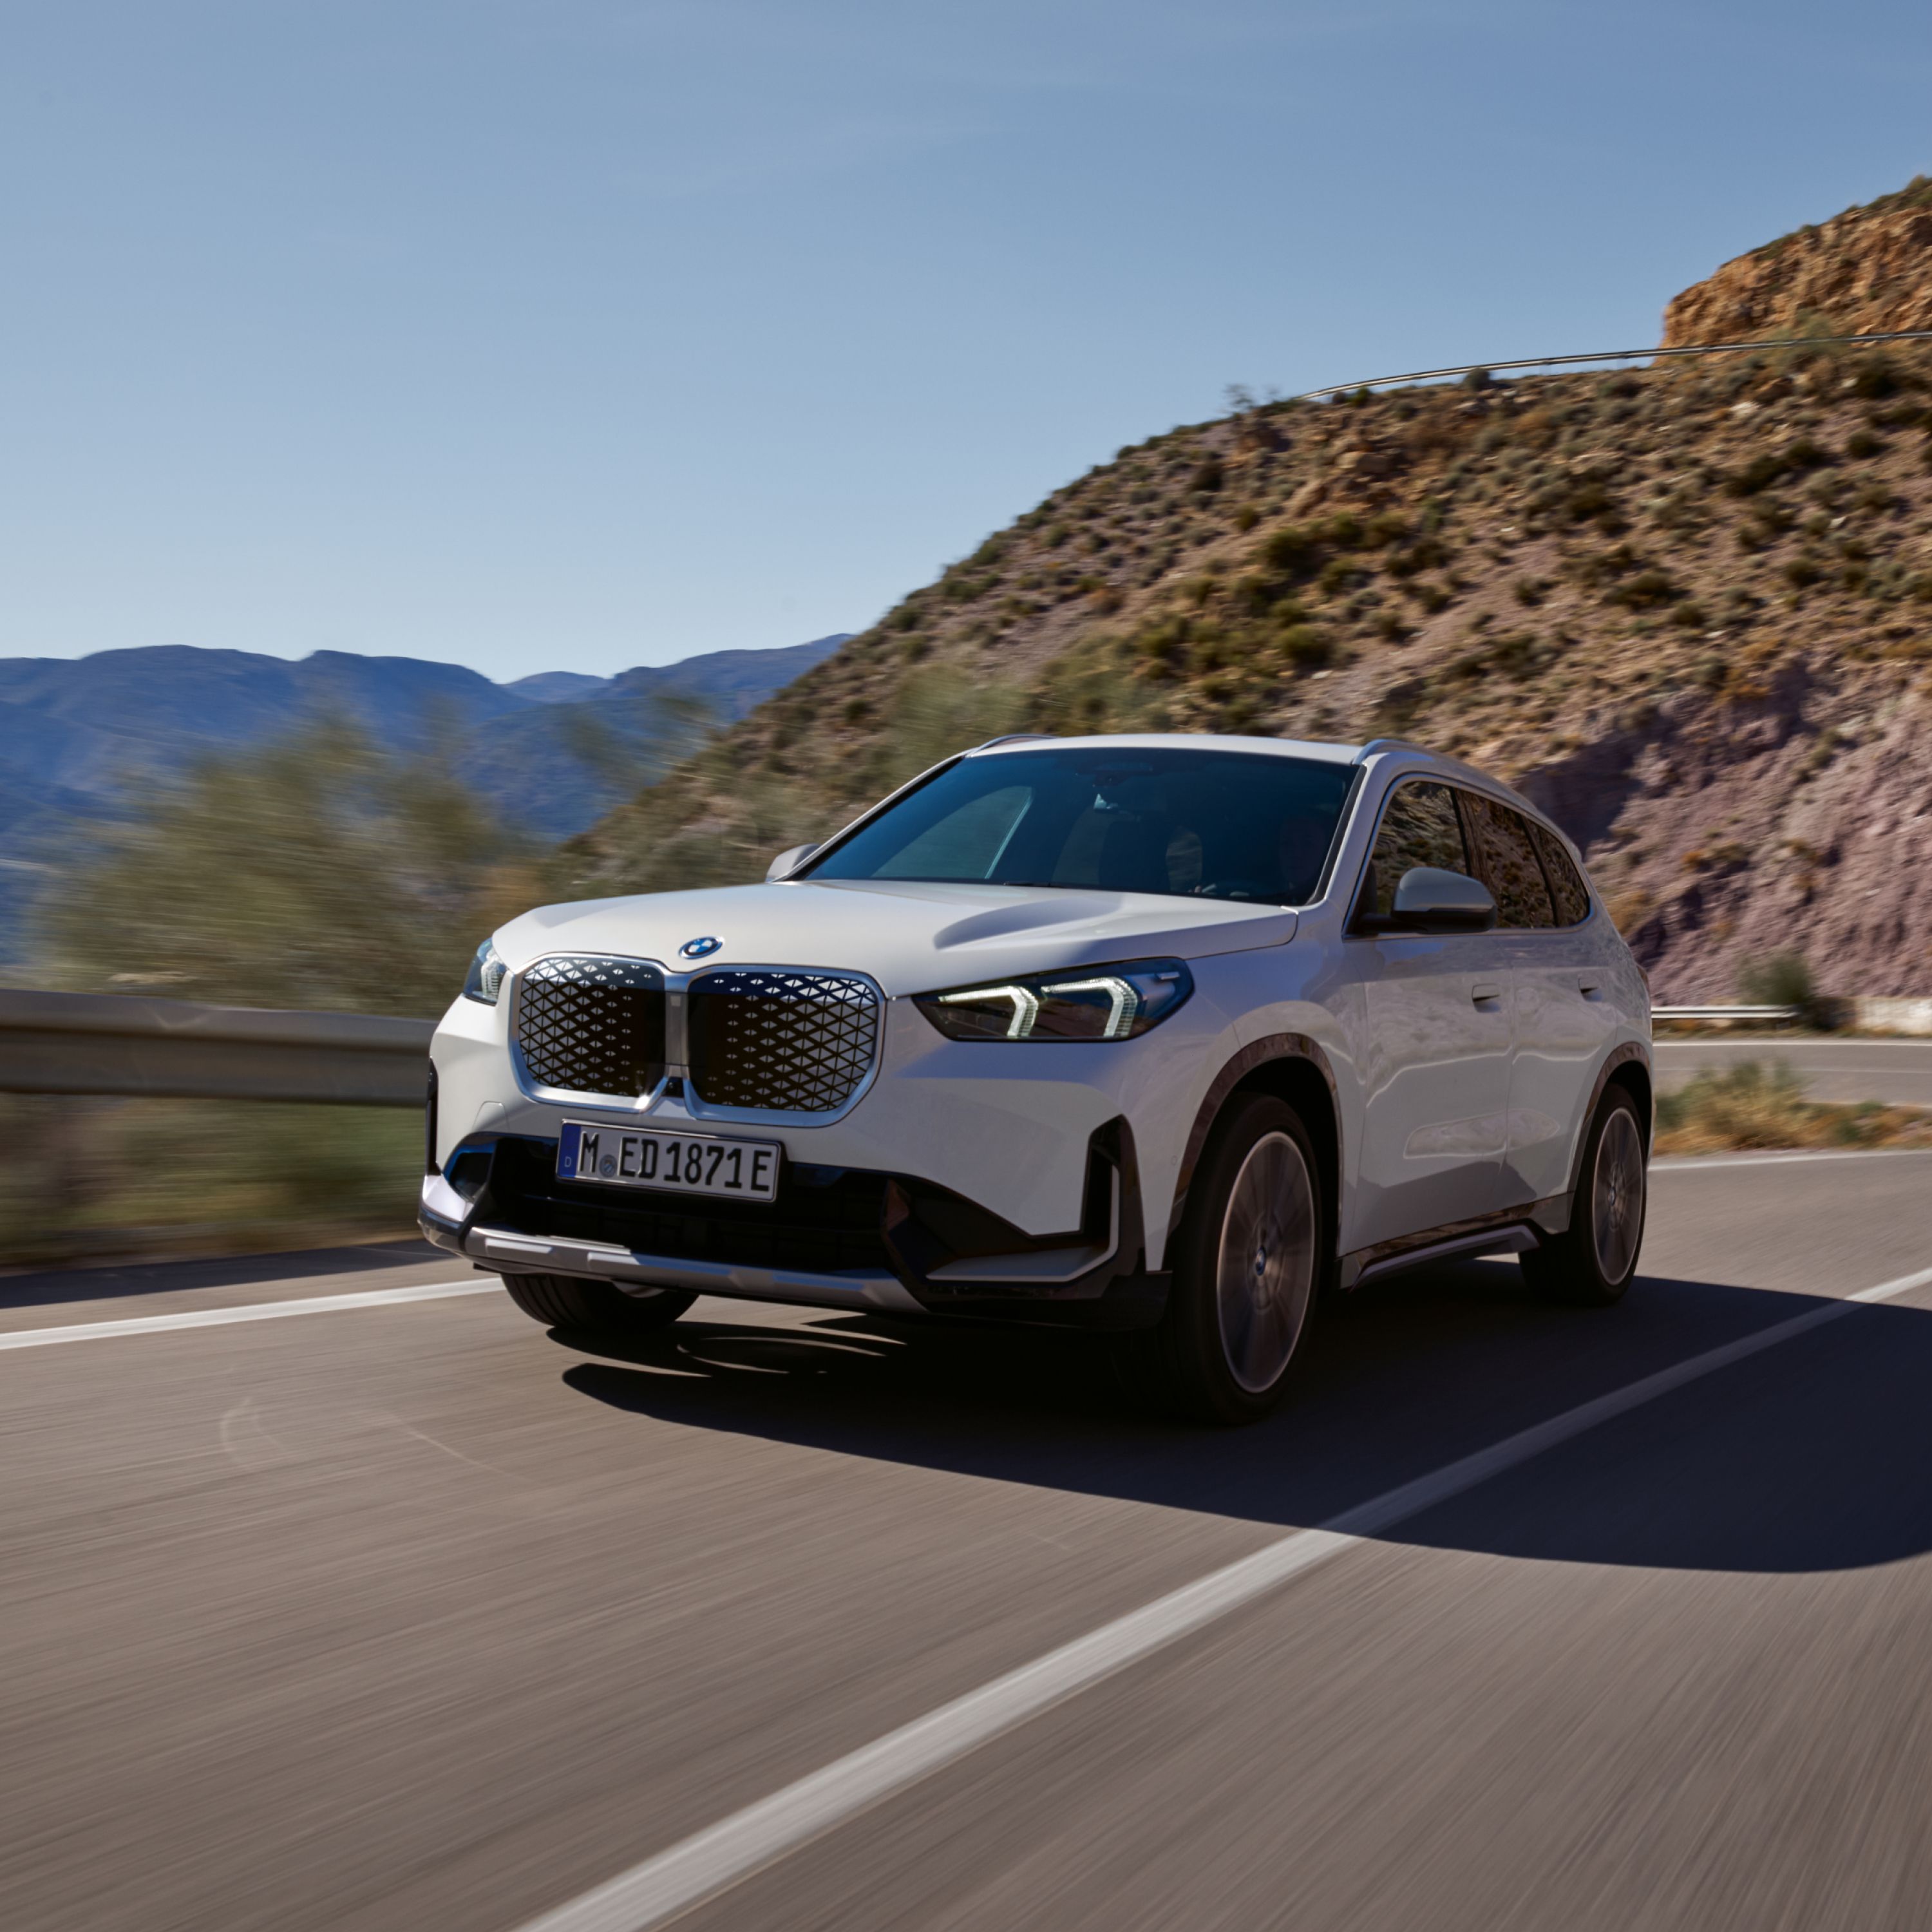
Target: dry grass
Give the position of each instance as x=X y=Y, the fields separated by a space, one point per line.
x=1754 y=1105
x=93 y=1178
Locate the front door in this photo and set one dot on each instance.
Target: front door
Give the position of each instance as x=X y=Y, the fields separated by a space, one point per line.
x=1434 y=1057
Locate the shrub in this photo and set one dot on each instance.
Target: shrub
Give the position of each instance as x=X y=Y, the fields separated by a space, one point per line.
x=1862 y=443
x=1802 y=572
x=1874 y=379
x=1246 y=517
x=1293 y=551
x=1760 y=473
x=1689 y=615
x=1779 y=980
x=1306 y=647
x=1527 y=591
x=1208 y=476
x=1746 y=1106
x=1646 y=589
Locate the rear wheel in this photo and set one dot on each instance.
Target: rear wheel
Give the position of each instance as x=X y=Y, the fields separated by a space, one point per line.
x=1590 y=1264
x=1249 y=1260
x=571 y=1301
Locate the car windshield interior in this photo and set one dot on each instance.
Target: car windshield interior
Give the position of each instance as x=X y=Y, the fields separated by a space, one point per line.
x=1209 y=824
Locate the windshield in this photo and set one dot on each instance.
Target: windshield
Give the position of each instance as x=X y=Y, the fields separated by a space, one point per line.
x=1208 y=824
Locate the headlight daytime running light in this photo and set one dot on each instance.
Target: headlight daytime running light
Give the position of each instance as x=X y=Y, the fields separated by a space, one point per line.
x=1107 y=1003
x=488 y=972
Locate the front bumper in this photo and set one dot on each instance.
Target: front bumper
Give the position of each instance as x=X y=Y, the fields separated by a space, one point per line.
x=838 y=1237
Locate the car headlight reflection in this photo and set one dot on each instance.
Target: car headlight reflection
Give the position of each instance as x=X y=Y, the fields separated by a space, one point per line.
x=1094 y=1002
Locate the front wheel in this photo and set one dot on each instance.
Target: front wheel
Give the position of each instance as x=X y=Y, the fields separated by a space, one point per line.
x=1591 y=1263
x=1250 y=1259
x=571 y=1301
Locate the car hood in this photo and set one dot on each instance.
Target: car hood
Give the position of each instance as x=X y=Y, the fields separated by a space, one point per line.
x=911 y=937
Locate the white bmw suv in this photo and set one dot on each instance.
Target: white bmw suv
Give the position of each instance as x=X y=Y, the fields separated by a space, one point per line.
x=1161 y=1036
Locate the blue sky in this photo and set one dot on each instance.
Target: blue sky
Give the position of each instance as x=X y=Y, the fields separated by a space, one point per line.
x=577 y=333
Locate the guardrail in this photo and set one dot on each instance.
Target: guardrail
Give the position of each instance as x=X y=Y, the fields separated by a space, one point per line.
x=1619 y=356
x=118 y=1044
x=1751 y=1015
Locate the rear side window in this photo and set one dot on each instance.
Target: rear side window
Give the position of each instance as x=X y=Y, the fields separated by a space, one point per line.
x=1566 y=883
x=1509 y=863
x=1419 y=828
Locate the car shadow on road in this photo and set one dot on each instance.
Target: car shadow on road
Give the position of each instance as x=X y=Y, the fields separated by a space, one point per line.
x=1810 y=1455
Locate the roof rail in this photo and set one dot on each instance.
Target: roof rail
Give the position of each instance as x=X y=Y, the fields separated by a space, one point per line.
x=1017 y=738
x=1392 y=744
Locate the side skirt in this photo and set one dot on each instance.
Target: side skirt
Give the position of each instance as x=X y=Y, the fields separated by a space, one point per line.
x=1507 y=1231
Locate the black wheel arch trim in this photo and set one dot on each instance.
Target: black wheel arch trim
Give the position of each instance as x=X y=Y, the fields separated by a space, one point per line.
x=1267 y=1050
x=1630 y=1054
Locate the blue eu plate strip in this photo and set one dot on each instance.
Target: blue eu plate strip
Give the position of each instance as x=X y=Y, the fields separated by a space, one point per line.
x=566 y=1151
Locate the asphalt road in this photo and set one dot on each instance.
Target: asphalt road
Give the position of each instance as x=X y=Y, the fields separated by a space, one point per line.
x=1897 y=1072
x=409 y=1614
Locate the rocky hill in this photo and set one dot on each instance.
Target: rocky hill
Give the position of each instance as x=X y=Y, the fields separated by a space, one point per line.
x=1864 y=272
x=1687 y=609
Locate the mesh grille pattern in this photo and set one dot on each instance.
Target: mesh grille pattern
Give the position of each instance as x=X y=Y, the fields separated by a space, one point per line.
x=789 y=1042
x=592 y=1026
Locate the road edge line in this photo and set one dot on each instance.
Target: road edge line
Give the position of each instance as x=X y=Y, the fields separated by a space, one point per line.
x=252 y=1311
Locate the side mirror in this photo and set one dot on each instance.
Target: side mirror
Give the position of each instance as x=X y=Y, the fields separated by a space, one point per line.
x=788 y=862
x=1428 y=899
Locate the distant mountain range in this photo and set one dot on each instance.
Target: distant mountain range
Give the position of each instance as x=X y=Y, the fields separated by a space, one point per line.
x=555 y=749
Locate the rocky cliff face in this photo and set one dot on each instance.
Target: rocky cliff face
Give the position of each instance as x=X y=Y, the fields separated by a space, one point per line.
x=1867 y=270
x=1688 y=610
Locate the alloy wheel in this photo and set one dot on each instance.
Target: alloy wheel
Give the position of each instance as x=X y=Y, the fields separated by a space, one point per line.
x=1617 y=1196
x=1265 y=1276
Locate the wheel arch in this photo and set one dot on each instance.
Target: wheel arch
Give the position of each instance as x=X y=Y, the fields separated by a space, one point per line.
x=1293 y=1068
x=1628 y=1066
x=1633 y=1076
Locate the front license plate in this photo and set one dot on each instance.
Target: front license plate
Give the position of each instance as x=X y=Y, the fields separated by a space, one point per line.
x=677 y=1163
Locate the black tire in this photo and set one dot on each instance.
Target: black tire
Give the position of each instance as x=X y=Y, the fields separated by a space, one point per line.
x=1234 y=1333
x=1591 y=1264
x=571 y=1301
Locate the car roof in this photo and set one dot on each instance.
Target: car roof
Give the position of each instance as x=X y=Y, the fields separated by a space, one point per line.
x=1180 y=741
x=1407 y=755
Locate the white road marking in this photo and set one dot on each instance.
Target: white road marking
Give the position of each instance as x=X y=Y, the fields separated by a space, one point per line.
x=1708 y=1163
x=254 y=1311
x=707 y=1863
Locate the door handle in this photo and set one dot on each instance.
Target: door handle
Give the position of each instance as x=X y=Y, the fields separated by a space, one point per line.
x=1485 y=989
x=1591 y=989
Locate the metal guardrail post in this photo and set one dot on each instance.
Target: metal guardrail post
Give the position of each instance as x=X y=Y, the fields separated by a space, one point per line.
x=110 y=1043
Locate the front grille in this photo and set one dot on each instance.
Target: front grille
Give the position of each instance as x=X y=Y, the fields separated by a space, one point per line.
x=592 y=1026
x=782 y=1041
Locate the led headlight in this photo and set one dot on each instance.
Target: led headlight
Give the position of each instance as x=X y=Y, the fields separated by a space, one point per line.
x=1092 y=1002
x=487 y=972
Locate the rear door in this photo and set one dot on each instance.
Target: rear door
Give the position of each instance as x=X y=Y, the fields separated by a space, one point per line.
x=1564 y=1016
x=1434 y=1057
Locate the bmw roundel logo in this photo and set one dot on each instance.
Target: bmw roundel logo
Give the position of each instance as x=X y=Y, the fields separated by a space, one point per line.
x=699 y=949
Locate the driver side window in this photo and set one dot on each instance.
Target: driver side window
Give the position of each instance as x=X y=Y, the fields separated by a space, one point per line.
x=1420 y=827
